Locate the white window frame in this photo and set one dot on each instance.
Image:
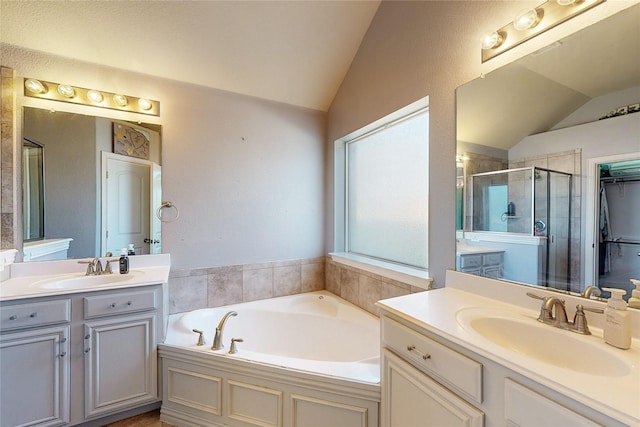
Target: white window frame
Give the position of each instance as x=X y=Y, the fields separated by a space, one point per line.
x=407 y=274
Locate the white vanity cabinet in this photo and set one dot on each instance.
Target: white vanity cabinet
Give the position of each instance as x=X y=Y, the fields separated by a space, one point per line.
x=429 y=381
x=119 y=345
x=75 y=358
x=34 y=363
x=423 y=381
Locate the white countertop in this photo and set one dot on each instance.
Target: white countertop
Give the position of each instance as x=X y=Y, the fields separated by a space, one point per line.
x=35 y=279
x=435 y=311
x=466 y=250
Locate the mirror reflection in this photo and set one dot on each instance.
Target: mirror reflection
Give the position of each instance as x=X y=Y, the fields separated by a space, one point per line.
x=90 y=185
x=537 y=142
x=32 y=190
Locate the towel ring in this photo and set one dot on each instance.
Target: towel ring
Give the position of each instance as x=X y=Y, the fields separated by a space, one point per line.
x=167 y=205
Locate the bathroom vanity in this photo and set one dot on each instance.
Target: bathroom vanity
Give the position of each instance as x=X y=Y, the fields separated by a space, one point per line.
x=473 y=354
x=75 y=348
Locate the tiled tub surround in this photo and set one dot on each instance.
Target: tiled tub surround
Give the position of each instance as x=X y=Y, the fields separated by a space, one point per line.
x=217 y=286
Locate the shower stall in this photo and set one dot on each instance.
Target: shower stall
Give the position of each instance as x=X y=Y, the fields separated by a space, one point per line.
x=521 y=202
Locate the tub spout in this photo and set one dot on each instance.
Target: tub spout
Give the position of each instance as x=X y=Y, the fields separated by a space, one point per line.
x=217 y=339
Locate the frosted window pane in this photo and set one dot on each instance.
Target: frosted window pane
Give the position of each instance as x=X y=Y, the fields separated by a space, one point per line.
x=387 y=198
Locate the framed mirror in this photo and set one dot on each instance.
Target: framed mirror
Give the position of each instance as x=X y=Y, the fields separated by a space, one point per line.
x=91 y=185
x=535 y=141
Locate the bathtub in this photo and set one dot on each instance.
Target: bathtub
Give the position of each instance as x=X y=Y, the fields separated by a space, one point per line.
x=301 y=356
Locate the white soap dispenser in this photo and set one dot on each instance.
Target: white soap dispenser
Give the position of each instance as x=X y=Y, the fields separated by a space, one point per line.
x=634 y=301
x=617 y=324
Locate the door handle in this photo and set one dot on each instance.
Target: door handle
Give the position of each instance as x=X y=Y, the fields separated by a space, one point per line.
x=150 y=241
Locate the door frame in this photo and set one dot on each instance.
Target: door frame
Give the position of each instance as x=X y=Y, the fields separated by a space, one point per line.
x=592 y=213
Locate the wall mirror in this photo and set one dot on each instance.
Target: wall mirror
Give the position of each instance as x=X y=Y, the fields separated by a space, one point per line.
x=91 y=185
x=536 y=141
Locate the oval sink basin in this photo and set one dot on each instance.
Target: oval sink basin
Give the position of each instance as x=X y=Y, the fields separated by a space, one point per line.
x=565 y=349
x=79 y=280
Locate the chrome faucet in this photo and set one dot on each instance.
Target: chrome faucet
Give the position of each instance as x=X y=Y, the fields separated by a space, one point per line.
x=217 y=339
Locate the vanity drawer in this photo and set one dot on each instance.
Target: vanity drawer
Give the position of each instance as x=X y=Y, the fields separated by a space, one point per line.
x=460 y=373
x=124 y=302
x=492 y=259
x=35 y=314
x=470 y=261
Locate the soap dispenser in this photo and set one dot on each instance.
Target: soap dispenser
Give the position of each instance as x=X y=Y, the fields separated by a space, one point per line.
x=634 y=301
x=124 y=261
x=617 y=324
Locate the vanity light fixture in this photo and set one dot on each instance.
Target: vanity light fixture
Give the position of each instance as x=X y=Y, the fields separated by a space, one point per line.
x=492 y=40
x=66 y=91
x=531 y=22
x=76 y=95
x=145 y=104
x=95 y=96
x=34 y=86
x=526 y=19
x=120 y=100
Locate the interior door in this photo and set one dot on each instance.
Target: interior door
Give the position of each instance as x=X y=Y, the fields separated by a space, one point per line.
x=126 y=204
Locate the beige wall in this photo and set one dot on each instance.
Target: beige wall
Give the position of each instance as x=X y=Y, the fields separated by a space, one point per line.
x=418 y=48
x=247 y=174
x=253 y=179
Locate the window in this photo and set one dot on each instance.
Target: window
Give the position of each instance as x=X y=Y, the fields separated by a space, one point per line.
x=384 y=189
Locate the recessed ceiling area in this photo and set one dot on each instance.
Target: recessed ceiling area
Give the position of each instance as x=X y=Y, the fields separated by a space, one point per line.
x=294 y=52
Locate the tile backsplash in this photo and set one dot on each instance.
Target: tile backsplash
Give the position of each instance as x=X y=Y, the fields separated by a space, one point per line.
x=218 y=286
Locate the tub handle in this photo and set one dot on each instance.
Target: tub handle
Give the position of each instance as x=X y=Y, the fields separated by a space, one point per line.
x=201 y=340
x=234 y=348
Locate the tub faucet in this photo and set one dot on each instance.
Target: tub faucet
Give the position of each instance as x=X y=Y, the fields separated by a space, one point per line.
x=217 y=339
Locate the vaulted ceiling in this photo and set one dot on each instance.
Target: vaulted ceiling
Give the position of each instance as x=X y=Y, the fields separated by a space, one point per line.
x=295 y=52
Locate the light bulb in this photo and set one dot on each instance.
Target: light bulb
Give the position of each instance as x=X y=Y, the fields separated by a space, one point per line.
x=492 y=40
x=95 y=96
x=145 y=104
x=66 y=91
x=35 y=86
x=525 y=19
x=120 y=100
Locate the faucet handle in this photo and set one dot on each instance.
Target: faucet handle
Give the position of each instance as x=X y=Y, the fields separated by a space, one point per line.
x=580 y=320
x=90 y=265
x=201 y=340
x=535 y=296
x=234 y=348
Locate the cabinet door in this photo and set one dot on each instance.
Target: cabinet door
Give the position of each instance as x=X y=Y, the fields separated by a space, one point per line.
x=411 y=398
x=120 y=363
x=34 y=372
x=526 y=408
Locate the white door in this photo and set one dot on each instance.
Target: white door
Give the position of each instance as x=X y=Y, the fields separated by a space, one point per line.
x=126 y=203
